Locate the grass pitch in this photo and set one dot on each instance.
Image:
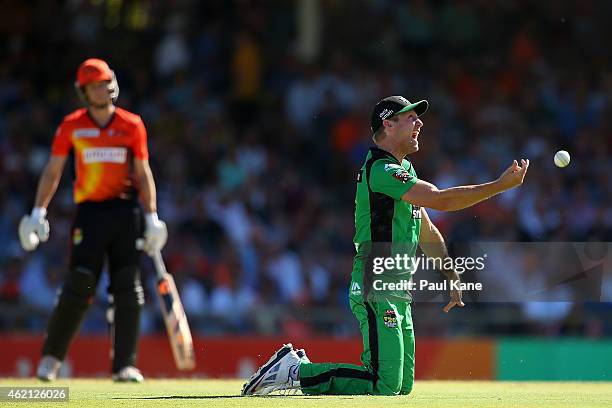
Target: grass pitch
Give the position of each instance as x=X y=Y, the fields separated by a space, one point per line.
x=226 y=393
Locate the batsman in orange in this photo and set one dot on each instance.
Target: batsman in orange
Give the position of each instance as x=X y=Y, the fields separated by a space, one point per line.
x=115 y=195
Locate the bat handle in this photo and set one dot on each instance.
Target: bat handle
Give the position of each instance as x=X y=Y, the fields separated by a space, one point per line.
x=158 y=260
x=160 y=267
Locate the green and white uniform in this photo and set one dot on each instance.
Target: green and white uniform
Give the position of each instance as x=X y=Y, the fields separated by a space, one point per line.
x=385 y=227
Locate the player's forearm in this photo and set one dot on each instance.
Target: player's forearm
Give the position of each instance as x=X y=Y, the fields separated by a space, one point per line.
x=458 y=198
x=148 y=193
x=433 y=246
x=432 y=243
x=47 y=186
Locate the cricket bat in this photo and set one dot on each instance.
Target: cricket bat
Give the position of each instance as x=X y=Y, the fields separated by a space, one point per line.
x=174 y=316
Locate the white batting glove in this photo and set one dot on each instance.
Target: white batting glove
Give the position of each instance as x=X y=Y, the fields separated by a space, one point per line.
x=156 y=233
x=33 y=229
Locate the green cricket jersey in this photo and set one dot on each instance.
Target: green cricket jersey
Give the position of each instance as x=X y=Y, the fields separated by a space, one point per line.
x=385 y=225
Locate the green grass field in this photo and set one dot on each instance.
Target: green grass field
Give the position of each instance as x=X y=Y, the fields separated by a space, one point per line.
x=226 y=393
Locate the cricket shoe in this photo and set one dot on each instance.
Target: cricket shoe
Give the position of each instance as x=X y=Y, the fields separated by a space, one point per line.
x=128 y=374
x=302 y=355
x=48 y=368
x=275 y=374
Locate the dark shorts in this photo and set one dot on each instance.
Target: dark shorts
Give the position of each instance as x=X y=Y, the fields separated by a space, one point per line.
x=106 y=230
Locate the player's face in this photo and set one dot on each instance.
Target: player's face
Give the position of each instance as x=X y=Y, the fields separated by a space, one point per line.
x=97 y=93
x=407 y=130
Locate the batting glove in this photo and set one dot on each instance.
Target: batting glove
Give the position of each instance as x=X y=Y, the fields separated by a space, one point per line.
x=156 y=233
x=33 y=229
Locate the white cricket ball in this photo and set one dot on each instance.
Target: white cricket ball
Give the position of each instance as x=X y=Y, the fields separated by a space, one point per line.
x=562 y=158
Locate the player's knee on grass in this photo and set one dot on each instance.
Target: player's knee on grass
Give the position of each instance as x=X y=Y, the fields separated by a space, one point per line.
x=406 y=388
x=386 y=389
x=407 y=382
x=389 y=377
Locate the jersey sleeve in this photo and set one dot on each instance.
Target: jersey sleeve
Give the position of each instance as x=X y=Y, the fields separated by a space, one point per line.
x=391 y=179
x=140 y=141
x=62 y=142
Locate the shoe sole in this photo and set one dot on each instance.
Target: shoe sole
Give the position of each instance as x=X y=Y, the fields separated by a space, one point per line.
x=117 y=380
x=257 y=377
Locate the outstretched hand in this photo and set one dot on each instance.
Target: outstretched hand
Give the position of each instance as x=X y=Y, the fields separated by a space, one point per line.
x=455 y=300
x=514 y=175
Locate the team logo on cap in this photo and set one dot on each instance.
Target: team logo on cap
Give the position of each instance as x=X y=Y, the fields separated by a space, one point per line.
x=385 y=114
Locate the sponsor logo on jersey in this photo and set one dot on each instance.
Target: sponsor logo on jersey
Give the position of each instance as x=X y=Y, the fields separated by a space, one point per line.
x=402 y=175
x=390 y=319
x=398 y=172
x=89 y=132
x=355 y=289
x=416 y=212
x=115 y=132
x=104 y=155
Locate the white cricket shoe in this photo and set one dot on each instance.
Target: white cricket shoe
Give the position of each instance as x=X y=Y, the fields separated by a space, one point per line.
x=128 y=374
x=274 y=375
x=301 y=353
x=48 y=368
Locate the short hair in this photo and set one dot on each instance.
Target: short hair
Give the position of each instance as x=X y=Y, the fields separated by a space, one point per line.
x=380 y=133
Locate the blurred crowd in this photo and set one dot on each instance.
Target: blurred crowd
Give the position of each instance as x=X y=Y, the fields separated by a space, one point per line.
x=255 y=138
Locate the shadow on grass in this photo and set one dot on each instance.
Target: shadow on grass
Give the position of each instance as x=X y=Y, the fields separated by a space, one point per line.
x=164 y=397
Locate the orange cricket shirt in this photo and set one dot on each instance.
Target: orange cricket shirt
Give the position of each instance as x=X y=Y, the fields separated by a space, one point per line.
x=103 y=155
